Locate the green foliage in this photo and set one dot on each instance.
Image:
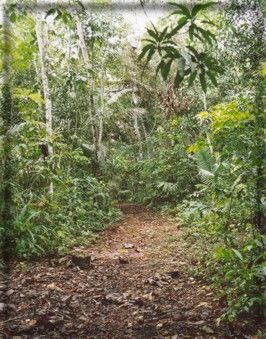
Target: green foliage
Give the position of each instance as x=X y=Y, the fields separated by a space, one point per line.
x=162 y=176
x=243 y=272
x=221 y=213
x=118 y=135
x=79 y=207
x=191 y=60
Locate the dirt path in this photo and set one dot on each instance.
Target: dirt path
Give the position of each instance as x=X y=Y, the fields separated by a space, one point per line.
x=133 y=283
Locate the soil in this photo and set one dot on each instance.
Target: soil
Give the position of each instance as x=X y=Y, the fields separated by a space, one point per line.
x=134 y=282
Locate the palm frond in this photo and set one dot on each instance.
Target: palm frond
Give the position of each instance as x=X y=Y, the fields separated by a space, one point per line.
x=206 y=164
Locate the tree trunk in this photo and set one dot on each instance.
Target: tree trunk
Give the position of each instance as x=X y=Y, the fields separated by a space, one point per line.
x=42 y=46
x=90 y=79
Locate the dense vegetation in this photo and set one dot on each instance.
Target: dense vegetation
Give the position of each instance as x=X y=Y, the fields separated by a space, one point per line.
x=89 y=120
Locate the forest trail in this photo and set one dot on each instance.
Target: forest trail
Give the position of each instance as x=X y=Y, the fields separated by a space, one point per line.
x=132 y=283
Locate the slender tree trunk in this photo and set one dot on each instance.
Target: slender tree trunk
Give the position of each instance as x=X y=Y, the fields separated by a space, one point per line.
x=92 y=111
x=260 y=156
x=90 y=80
x=101 y=112
x=42 y=46
x=138 y=134
x=259 y=123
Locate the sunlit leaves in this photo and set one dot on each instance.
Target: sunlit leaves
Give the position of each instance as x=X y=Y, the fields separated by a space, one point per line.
x=224 y=115
x=263 y=69
x=25 y=93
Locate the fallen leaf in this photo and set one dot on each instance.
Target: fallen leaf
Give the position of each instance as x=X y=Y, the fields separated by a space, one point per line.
x=207 y=329
x=53 y=286
x=32 y=322
x=203 y=303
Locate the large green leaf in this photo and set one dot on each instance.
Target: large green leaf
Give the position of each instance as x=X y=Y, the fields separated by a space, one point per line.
x=200 y=7
x=171 y=52
x=162 y=34
x=154 y=34
x=193 y=50
x=192 y=78
x=206 y=34
x=178 y=79
x=182 y=8
x=191 y=31
x=203 y=81
x=165 y=69
x=145 y=49
x=150 y=54
x=212 y=78
x=160 y=65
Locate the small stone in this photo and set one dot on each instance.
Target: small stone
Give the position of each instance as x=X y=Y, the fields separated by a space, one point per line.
x=177 y=317
x=159 y=326
x=2 y=307
x=9 y=292
x=128 y=246
x=140 y=318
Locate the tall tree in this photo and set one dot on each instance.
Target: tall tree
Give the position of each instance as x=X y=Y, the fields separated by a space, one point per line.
x=42 y=39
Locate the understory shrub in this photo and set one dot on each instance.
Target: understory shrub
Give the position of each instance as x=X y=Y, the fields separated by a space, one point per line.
x=79 y=205
x=70 y=217
x=157 y=172
x=221 y=213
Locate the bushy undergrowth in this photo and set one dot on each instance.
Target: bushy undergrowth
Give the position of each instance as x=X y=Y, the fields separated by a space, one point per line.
x=71 y=217
x=46 y=222
x=157 y=172
x=232 y=257
x=221 y=213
